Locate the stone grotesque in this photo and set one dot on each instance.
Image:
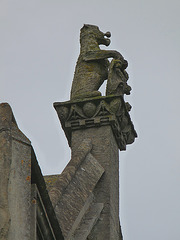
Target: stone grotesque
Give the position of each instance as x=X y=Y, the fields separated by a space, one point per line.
x=92 y=65
x=117 y=79
x=86 y=195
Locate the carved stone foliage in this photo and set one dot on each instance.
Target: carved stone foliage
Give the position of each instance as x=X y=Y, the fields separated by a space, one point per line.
x=96 y=112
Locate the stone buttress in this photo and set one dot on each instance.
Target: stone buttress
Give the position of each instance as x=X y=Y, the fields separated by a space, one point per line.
x=86 y=195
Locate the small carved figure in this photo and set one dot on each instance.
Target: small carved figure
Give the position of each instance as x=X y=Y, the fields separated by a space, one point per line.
x=92 y=65
x=117 y=79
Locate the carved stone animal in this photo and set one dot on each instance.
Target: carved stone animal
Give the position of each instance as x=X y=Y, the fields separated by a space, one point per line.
x=92 y=65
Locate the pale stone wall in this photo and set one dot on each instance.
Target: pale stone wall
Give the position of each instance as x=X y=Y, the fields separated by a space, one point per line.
x=15 y=179
x=26 y=211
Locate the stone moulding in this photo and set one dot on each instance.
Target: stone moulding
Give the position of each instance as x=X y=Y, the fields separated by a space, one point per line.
x=97 y=112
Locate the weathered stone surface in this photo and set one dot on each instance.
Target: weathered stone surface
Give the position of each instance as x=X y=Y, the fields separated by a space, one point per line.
x=88 y=222
x=50 y=180
x=92 y=65
x=105 y=123
x=117 y=79
x=81 y=214
x=15 y=176
x=105 y=150
x=22 y=210
x=68 y=173
x=20 y=201
x=43 y=219
x=76 y=197
x=96 y=112
x=5 y=162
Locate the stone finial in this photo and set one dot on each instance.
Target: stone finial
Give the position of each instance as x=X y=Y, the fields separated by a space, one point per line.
x=92 y=65
x=86 y=195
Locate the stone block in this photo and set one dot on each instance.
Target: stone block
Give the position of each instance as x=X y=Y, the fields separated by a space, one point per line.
x=88 y=222
x=76 y=198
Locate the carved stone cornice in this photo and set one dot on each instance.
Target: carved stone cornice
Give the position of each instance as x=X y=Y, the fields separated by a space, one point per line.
x=97 y=112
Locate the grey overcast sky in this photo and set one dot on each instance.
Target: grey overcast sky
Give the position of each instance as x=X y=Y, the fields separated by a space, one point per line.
x=39 y=46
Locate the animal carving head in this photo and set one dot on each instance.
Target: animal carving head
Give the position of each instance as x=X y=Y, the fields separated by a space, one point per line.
x=93 y=32
x=93 y=65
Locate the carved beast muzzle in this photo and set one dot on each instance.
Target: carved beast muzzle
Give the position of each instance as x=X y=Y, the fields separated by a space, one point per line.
x=106 y=41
